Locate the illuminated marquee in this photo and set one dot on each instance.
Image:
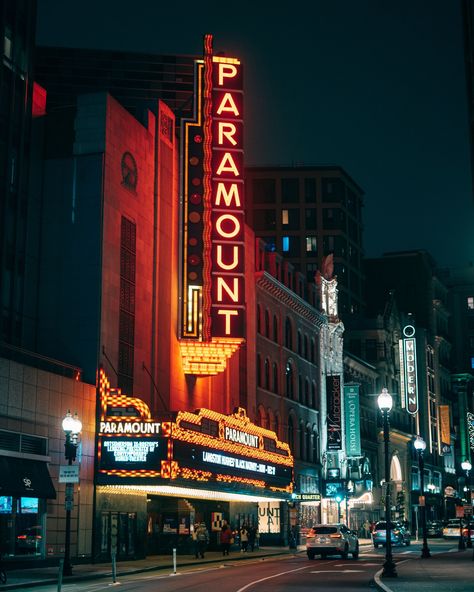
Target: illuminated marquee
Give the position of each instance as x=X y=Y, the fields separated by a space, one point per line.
x=408 y=370
x=212 y=279
x=203 y=446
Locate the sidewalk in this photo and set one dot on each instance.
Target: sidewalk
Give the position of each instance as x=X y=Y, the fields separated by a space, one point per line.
x=39 y=576
x=444 y=572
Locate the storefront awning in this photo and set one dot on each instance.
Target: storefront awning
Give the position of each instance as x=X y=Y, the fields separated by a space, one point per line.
x=26 y=478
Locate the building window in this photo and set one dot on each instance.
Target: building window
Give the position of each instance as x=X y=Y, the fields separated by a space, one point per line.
x=289 y=381
x=263 y=190
x=310 y=223
x=275 y=329
x=259 y=371
x=310 y=190
x=300 y=343
x=470 y=302
x=275 y=378
x=472 y=362
x=267 y=374
x=267 y=324
x=311 y=244
x=285 y=243
x=302 y=442
x=289 y=190
x=264 y=219
x=307 y=401
x=291 y=434
x=284 y=217
x=288 y=334
x=314 y=403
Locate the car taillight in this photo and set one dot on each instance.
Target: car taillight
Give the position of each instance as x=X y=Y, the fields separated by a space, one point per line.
x=21 y=536
x=334 y=536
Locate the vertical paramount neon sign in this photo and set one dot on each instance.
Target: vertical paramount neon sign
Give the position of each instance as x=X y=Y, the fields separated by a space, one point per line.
x=212 y=279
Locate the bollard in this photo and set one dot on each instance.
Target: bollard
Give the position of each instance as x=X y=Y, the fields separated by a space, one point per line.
x=174 y=561
x=60 y=574
x=114 y=567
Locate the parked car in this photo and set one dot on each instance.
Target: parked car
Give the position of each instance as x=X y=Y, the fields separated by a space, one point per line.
x=29 y=540
x=434 y=528
x=452 y=528
x=399 y=535
x=332 y=539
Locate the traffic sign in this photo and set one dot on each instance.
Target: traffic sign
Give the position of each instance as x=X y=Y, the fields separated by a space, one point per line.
x=69 y=474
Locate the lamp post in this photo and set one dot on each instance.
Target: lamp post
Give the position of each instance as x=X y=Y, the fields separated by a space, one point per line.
x=420 y=447
x=72 y=427
x=385 y=402
x=466 y=467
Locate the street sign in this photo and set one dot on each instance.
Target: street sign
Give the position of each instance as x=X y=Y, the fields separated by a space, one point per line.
x=467 y=510
x=459 y=511
x=69 y=474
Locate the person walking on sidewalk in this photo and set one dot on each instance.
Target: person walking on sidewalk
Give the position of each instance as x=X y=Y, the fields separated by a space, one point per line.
x=202 y=538
x=226 y=536
x=244 y=538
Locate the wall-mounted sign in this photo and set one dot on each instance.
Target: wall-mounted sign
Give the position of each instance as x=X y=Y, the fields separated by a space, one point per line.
x=212 y=218
x=408 y=370
x=203 y=446
x=332 y=488
x=470 y=428
x=352 y=420
x=306 y=497
x=333 y=418
x=69 y=474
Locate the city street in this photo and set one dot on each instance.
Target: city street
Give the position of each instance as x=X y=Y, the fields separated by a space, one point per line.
x=279 y=574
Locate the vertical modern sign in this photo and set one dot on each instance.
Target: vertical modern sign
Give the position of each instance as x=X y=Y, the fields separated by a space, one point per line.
x=408 y=370
x=333 y=407
x=352 y=420
x=445 y=429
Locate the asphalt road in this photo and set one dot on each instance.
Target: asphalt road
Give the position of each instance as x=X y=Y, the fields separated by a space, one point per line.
x=283 y=574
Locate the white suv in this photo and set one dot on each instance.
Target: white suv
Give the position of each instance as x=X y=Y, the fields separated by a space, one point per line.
x=330 y=539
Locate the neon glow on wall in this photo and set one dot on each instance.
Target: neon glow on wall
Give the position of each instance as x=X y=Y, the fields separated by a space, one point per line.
x=212 y=278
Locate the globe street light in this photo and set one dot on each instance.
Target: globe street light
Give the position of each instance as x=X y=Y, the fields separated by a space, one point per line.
x=466 y=467
x=72 y=427
x=385 y=402
x=420 y=447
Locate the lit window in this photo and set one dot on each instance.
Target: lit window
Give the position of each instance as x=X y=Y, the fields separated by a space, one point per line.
x=284 y=216
x=311 y=244
x=470 y=302
x=286 y=243
x=472 y=362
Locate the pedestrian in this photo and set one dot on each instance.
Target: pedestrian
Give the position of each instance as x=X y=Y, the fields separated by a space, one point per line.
x=366 y=527
x=202 y=538
x=257 y=538
x=195 y=541
x=244 y=538
x=226 y=537
x=251 y=535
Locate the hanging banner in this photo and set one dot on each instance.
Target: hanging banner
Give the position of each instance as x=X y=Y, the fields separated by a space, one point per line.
x=445 y=431
x=333 y=409
x=352 y=420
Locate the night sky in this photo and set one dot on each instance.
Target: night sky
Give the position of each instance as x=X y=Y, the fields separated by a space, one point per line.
x=375 y=87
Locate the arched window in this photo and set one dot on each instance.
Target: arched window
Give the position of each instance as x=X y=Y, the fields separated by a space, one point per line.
x=313 y=351
x=290 y=393
x=275 y=329
x=267 y=374
x=300 y=343
x=259 y=319
x=275 y=378
x=291 y=434
x=307 y=400
x=267 y=324
x=314 y=402
x=259 y=370
x=288 y=334
x=308 y=446
x=277 y=425
x=306 y=347
x=302 y=442
x=300 y=389
x=270 y=419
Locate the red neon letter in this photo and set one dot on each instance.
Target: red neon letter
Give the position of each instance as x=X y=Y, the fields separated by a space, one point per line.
x=233 y=220
x=232 y=194
x=227 y=104
x=228 y=314
x=227 y=165
x=226 y=71
x=226 y=130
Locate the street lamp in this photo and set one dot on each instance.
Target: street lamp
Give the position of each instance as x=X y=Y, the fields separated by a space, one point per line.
x=466 y=467
x=72 y=427
x=420 y=447
x=385 y=402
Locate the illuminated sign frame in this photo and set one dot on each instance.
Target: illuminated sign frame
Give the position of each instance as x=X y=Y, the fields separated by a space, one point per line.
x=203 y=446
x=212 y=289
x=408 y=370
x=333 y=412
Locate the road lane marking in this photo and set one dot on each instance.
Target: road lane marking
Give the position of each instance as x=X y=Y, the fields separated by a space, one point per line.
x=337 y=572
x=283 y=573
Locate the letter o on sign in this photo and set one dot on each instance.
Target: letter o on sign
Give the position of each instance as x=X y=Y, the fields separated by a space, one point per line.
x=229 y=221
